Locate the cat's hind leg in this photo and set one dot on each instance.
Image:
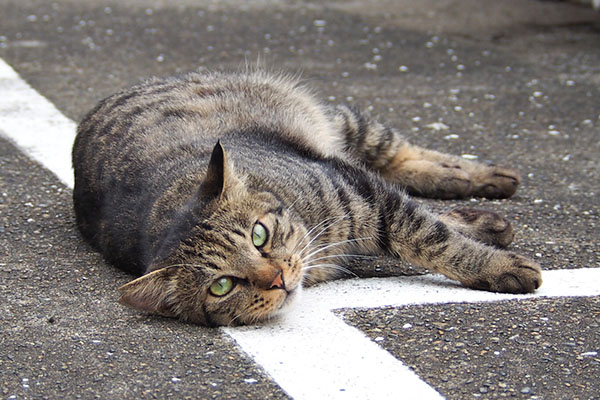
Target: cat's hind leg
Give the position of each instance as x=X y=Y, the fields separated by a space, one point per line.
x=430 y=173
x=421 y=171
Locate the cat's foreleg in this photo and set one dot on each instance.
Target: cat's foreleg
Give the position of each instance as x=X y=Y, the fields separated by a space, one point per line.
x=413 y=233
x=421 y=171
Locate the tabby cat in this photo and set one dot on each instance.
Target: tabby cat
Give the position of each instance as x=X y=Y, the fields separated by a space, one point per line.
x=227 y=193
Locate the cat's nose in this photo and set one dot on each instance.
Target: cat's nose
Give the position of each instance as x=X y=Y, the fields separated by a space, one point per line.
x=278 y=282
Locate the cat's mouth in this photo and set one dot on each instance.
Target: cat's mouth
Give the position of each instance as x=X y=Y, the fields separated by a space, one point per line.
x=284 y=289
x=291 y=298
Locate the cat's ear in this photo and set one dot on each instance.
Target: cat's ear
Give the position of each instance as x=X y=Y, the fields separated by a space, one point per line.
x=220 y=176
x=154 y=293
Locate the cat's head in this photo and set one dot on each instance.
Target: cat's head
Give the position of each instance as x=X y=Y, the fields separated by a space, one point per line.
x=240 y=264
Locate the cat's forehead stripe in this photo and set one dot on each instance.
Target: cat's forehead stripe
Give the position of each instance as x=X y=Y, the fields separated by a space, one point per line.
x=239 y=232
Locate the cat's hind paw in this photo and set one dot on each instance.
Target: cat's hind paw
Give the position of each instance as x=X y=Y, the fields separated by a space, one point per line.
x=494 y=182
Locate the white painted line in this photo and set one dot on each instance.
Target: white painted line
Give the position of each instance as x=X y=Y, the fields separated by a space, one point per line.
x=318 y=356
x=312 y=345
x=432 y=289
x=310 y=352
x=35 y=125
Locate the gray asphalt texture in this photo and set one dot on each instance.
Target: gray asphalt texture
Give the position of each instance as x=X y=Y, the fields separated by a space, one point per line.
x=485 y=350
x=515 y=82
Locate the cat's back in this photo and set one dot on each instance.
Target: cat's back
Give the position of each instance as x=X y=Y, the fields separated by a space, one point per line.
x=158 y=114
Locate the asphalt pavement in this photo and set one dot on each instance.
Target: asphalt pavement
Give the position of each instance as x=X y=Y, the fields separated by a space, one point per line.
x=515 y=82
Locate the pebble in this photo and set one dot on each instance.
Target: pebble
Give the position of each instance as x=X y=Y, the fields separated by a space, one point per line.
x=438 y=126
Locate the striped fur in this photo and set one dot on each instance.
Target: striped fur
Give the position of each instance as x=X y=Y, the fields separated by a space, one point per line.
x=172 y=176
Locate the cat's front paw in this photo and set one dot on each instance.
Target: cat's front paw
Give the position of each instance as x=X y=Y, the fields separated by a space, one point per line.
x=513 y=274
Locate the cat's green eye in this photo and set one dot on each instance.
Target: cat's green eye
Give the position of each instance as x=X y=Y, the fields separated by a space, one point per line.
x=259 y=235
x=221 y=286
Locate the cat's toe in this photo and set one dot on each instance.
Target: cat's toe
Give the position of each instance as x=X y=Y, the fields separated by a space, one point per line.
x=497 y=183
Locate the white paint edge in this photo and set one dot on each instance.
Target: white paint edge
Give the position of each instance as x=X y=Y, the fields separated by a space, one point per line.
x=310 y=352
x=35 y=125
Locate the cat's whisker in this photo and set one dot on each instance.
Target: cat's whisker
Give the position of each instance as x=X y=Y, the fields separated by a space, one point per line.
x=231 y=323
x=341 y=256
x=183 y=265
x=339 y=219
x=309 y=267
x=307 y=279
x=315 y=252
x=307 y=235
x=251 y=318
x=330 y=266
x=289 y=207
